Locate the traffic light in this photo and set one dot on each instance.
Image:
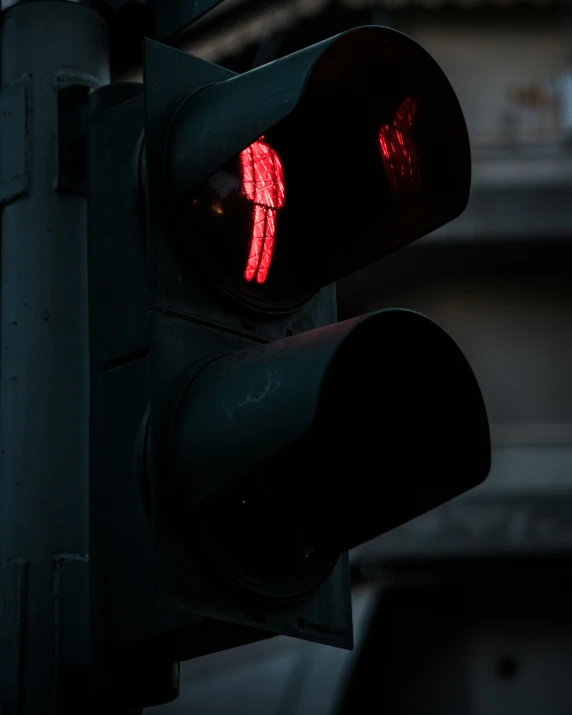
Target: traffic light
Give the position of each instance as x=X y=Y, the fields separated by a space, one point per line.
x=243 y=440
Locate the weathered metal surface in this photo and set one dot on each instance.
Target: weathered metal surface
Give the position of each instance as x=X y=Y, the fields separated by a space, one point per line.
x=13 y=579
x=44 y=385
x=14 y=139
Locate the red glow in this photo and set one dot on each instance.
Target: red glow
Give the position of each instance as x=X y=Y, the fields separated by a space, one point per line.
x=263 y=184
x=398 y=151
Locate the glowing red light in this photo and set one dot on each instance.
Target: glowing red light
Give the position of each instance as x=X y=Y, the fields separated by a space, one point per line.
x=263 y=184
x=398 y=151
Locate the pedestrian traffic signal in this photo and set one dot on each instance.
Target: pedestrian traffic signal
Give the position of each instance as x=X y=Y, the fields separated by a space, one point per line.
x=269 y=439
x=323 y=161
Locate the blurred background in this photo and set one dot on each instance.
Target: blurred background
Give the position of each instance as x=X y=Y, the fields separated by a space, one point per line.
x=467 y=610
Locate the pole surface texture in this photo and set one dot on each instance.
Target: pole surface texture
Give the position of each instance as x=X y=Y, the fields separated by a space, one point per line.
x=44 y=389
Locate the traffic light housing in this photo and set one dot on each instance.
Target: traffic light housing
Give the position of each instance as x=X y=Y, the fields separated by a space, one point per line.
x=365 y=122
x=242 y=440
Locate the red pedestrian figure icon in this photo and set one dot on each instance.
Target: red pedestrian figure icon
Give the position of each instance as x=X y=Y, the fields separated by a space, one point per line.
x=263 y=184
x=398 y=151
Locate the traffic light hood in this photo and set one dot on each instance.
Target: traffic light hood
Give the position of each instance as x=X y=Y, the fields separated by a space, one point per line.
x=343 y=151
x=340 y=434
x=232 y=467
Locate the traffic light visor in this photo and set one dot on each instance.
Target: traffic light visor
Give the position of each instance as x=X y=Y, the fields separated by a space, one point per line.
x=295 y=174
x=331 y=437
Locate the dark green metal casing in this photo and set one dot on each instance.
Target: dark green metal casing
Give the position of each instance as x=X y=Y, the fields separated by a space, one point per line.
x=239 y=386
x=242 y=440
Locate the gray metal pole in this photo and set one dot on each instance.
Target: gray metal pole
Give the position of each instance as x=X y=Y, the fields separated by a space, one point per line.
x=43 y=363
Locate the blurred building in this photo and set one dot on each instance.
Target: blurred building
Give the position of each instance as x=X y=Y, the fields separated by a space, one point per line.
x=499 y=279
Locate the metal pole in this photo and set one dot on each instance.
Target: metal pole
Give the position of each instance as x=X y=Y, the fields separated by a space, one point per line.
x=43 y=363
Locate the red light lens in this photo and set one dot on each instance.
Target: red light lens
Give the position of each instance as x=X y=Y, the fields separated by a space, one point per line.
x=282 y=181
x=238 y=224
x=263 y=184
x=398 y=150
